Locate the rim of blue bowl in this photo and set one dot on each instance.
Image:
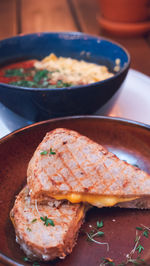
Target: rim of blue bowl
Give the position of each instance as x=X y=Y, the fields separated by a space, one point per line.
x=125 y=67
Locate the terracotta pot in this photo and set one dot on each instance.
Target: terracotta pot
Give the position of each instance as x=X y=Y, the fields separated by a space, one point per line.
x=125 y=17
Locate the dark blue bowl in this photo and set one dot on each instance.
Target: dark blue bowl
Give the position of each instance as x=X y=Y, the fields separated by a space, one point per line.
x=38 y=104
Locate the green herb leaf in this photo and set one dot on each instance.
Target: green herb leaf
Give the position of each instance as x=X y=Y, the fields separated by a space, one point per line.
x=35 y=264
x=26 y=259
x=47 y=221
x=45 y=84
x=99 y=224
x=100 y=233
x=146 y=233
x=52 y=86
x=40 y=74
x=140 y=248
x=139 y=228
x=52 y=152
x=61 y=84
x=24 y=83
x=137 y=261
x=14 y=72
x=65 y=84
x=34 y=220
x=44 y=152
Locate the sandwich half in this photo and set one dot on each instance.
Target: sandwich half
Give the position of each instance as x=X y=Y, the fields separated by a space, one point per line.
x=46 y=231
x=67 y=165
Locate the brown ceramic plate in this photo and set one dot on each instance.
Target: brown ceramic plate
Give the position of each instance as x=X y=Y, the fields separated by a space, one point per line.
x=129 y=140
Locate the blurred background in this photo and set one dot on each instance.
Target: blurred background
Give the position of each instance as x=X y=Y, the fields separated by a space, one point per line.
x=125 y=21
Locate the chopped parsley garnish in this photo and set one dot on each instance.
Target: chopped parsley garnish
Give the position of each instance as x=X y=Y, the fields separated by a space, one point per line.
x=52 y=86
x=47 y=221
x=40 y=74
x=14 y=72
x=66 y=84
x=23 y=83
x=32 y=77
x=61 y=84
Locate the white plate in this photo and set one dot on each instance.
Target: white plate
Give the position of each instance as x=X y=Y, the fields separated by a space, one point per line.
x=133 y=99
x=132 y=102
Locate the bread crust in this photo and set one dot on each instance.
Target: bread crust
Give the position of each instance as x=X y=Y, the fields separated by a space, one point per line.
x=43 y=242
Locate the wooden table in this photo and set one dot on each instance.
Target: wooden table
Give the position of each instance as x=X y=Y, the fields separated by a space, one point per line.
x=26 y=16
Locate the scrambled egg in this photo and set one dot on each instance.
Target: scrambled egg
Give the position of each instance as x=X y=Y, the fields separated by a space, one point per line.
x=73 y=71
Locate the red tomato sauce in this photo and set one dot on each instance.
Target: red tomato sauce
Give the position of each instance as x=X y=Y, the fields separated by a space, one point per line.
x=25 y=74
x=24 y=64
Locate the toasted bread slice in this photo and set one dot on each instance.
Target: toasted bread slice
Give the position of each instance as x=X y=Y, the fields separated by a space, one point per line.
x=67 y=165
x=44 y=231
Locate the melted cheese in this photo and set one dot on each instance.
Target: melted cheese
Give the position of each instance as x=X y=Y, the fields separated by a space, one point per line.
x=81 y=213
x=96 y=200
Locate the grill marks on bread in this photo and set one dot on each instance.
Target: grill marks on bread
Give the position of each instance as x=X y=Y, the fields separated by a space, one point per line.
x=41 y=241
x=80 y=165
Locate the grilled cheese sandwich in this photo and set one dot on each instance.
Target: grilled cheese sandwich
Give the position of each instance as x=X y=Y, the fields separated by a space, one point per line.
x=67 y=165
x=41 y=240
x=71 y=167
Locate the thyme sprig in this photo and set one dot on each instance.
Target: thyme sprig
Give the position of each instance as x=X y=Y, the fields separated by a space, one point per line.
x=95 y=232
x=97 y=242
x=47 y=221
x=144 y=231
x=50 y=152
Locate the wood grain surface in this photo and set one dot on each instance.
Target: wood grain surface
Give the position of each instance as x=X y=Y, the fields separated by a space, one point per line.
x=50 y=16
x=8 y=18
